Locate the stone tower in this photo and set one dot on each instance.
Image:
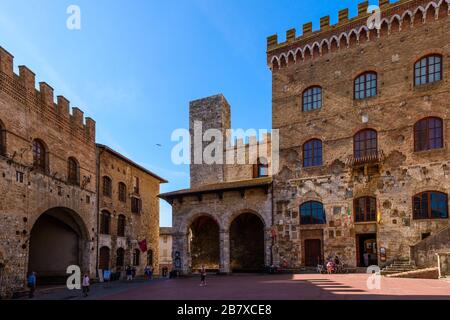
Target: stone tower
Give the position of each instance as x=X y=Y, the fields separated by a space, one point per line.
x=212 y=113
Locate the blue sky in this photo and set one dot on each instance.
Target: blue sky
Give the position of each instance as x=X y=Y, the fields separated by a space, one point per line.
x=135 y=65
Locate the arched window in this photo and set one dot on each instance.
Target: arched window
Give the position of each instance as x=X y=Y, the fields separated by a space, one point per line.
x=105 y=222
x=365 y=143
x=120 y=257
x=365 y=209
x=136 y=257
x=121 y=223
x=428 y=134
x=428 y=70
x=430 y=205
x=312 y=153
x=261 y=169
x=73 y=175
x=312 y=98
x=107 y=186
x=2 y=139
x=365 y=86
x=312 y=212
x=39 y=156
x=103 y=261
x=122 y=192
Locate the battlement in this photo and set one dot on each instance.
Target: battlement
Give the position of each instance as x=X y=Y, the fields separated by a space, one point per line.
x=252 y=141
x=22 y=88
x=349 y=31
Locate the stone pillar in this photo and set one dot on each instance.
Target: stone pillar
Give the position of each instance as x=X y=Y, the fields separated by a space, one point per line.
x=267 y=247
x=225 y=251
x=181 y=258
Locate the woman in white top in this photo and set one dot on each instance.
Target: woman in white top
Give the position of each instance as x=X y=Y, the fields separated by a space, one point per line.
x=85 y=285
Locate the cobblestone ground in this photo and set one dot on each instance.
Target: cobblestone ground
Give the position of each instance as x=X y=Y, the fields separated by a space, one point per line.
x=260 y=287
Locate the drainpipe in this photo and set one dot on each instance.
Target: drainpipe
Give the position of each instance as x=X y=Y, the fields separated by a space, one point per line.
x=439 y=264
x=273 y=215
x=97 y=160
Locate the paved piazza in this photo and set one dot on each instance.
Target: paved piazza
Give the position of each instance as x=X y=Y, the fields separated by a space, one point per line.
x=261 y=287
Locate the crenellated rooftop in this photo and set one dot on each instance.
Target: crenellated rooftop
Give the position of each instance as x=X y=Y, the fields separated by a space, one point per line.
x=351 y=30
x=22 y=88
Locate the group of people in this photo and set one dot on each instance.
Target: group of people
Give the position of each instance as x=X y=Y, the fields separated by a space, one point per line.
x=333 y=265
x=86 y=281
x=32 y=283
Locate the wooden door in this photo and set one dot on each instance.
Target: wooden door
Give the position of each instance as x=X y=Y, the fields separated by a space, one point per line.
x=313 y=252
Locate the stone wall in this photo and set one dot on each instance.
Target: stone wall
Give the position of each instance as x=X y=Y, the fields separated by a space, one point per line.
x=223 y=212
x=139 y=227
x=213 y=113
x=424 y=253
x=400 y=175
x=29 y=114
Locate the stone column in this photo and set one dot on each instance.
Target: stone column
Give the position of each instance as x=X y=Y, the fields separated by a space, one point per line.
x=225 y=251
x=267 y=246
x=180 y=246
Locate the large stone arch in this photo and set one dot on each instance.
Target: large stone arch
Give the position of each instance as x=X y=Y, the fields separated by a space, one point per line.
x=247 y=234
x=203 y=239
x=59 y=238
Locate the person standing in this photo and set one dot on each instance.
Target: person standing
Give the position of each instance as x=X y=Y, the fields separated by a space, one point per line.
x=86 y=285
x=203 y=276
x=32 y=284
x=129 y=274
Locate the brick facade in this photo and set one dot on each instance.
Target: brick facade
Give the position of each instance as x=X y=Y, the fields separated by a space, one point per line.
x=48 y=184
x=139 y=226
x=332 y=58
x=400 y=173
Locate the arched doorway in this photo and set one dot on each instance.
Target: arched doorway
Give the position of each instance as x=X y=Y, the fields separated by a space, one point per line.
x=57 y=241
x=104 y=258
x=247 y=244
x=204 y=244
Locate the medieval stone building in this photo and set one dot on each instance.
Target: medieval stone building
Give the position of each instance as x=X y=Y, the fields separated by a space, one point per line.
x=49 y=186
x=223 y=220
x=129 y=213
x=363 y=118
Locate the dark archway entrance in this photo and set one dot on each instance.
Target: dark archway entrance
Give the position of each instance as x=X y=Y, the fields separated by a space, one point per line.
x=56 y=242
x=204 y=244
x=366 y=245
x=247 y=244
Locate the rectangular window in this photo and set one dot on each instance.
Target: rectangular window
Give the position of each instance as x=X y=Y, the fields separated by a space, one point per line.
x=19 y=176
x=136 y=205
x=136 y=185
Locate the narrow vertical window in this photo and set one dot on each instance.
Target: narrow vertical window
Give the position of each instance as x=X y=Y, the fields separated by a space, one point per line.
x=122 y=192
x=73 y=176
x=39 y=156
x=2 y=139
x=107 y=186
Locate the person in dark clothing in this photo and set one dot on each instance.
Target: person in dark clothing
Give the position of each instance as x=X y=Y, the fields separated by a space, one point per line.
x=129 y=273
x=203 y=276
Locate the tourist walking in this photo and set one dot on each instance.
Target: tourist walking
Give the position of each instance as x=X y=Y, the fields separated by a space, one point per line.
x=86 y=285
x=203 y=276
x=32 y=284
